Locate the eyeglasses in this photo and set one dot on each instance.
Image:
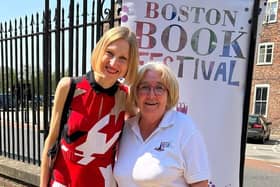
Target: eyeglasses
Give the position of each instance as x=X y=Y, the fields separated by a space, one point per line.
x=146 y=89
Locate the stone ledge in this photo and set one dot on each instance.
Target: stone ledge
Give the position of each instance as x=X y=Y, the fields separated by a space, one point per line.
x=13 y=169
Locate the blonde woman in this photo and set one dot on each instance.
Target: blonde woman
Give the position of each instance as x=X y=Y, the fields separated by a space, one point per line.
x=95 y=117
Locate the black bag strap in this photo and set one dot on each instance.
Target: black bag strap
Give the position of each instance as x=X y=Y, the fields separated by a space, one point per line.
x=54 y=149
x=66 y=107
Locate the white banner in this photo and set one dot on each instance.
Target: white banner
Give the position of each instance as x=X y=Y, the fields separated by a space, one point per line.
x=205 y=42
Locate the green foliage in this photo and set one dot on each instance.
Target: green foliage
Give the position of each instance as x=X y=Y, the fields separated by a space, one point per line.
x=6 y=78
x=38 y=82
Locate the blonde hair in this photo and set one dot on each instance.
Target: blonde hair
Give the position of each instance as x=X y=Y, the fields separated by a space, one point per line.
x=111 y=36
x=168 y=79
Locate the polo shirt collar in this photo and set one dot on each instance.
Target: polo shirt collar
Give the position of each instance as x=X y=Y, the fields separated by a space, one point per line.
x=168 y=119
x=99 y=89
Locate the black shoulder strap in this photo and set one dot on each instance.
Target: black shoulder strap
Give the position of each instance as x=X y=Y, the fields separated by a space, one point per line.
x=67 y=105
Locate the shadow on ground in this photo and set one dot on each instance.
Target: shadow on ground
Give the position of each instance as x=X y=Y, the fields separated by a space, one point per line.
x=268 y=142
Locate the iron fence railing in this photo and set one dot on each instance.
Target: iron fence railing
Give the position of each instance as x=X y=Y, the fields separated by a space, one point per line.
x=35 y=52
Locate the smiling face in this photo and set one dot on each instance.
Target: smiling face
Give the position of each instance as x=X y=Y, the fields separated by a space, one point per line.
x=113 y=64
x=152 y=95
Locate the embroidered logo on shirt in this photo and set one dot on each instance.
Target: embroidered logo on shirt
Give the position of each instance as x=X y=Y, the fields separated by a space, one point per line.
x=162 y=146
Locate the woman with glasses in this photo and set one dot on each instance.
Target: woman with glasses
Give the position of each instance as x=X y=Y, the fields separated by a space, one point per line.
x=160 y=146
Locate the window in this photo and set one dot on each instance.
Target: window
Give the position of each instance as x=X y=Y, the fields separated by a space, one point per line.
x=271 y=11
x=265 y=53
x=261 y=99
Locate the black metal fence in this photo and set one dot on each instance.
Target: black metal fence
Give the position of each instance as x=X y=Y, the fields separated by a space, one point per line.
x=35 y=52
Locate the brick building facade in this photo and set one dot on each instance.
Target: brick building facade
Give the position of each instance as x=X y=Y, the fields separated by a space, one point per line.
x=265 y=92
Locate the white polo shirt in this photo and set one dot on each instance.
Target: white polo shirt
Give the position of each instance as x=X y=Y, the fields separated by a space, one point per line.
x=172 y=156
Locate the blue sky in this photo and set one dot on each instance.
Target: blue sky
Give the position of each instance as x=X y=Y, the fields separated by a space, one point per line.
x=11 y=9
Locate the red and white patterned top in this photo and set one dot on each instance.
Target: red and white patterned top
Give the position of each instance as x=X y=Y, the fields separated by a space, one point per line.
x=89 y=138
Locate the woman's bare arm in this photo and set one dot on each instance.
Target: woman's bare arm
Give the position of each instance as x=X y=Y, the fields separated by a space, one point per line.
x=59 y=100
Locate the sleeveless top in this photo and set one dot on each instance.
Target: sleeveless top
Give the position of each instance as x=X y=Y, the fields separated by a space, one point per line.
x=95 y=120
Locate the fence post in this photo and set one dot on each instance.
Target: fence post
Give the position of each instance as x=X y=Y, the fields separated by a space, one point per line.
x=57 y=40
x=84 y=58
x=46 y=62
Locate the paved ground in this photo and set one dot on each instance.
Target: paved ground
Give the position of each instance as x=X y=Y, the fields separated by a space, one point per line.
x=260 y=173
x=5 y=182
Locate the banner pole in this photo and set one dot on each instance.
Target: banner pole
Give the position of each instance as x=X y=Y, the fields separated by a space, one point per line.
x=246 y=104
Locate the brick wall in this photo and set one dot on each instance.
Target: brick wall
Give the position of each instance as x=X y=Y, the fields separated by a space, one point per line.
x=270 y=74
